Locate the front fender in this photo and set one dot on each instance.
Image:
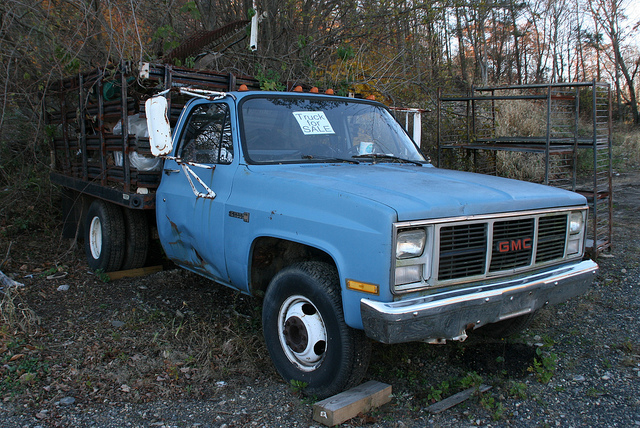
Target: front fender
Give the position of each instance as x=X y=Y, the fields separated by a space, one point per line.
x=355 y=232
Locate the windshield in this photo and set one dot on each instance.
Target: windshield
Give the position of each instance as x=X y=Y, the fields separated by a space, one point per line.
x=306 y=130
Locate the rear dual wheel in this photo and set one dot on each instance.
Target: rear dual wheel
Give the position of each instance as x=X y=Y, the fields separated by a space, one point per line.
x=104 y=237
x=115 y=238
x=305 y=332
x=136 y=228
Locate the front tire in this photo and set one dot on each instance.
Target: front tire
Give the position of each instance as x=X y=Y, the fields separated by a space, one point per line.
x=305 y=332
x=104 y=236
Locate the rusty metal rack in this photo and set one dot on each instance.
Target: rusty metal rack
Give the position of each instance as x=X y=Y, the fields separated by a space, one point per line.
x=572 y=140
x=81 y=112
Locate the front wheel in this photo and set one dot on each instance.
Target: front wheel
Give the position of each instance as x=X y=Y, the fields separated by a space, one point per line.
x=305 y=332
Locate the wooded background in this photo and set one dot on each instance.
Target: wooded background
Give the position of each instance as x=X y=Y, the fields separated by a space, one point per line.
x=400 y=50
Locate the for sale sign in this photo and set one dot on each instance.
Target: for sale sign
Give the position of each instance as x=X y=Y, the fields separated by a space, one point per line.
x=313 y=122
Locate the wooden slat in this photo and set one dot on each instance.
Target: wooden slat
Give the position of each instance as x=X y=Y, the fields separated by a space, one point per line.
x=346 y=405
x=456 y=399
x=130 y=273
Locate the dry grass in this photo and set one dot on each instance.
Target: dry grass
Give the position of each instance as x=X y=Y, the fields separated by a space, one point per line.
x=520 y=118
x=626 y=148
x=15 y=314
x=521 y=166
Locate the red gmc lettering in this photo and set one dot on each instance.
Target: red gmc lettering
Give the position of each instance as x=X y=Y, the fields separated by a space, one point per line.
x=515 y=245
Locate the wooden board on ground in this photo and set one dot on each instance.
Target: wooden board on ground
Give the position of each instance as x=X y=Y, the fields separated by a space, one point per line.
x=456 y=399
x=130 y=273
x=346 y=405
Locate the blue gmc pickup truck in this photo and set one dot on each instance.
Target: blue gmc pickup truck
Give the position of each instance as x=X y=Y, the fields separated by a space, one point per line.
x=324 y=207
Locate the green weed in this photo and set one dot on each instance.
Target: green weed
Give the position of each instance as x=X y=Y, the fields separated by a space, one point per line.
x=437 y=393
x=495 y=407
x=594 y=392
x=518 y=390
x=297 y=386
x=102 y=276
x=471 y=380
x=544 y=366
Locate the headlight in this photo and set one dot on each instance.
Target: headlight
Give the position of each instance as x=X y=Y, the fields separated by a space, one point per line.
x=576 y=222
x=410 y=243
x=408 y=274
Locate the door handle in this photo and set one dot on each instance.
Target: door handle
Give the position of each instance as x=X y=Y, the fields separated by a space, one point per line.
x=170 y=171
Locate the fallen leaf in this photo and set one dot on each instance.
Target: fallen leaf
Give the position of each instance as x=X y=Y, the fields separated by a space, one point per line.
x=16 y=357
x=27 y=378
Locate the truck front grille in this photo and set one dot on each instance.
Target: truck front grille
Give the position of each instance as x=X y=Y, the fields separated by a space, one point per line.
x=551 y=239
x=463 y=250
x=512 y=244
x=486 y=248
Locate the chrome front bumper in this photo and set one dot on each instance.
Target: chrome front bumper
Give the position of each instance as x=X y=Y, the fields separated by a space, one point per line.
x=448 y=314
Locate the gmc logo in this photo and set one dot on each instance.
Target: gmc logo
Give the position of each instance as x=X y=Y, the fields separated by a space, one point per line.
x=514 y=245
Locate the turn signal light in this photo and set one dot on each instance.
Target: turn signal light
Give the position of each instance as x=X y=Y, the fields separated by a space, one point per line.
x=362 y=286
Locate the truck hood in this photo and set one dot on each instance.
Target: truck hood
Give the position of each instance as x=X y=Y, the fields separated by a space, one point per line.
x=425 y=192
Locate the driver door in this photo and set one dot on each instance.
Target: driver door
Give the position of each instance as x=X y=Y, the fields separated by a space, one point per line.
x=191 y=199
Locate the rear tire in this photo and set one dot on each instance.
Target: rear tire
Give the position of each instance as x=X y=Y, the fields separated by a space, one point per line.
x=136 y=228
x=305 y=332
x=104 y=236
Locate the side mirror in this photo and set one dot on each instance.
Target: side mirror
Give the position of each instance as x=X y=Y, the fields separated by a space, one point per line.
x=158 y=125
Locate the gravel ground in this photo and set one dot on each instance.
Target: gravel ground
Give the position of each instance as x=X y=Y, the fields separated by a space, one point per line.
x=173 y=350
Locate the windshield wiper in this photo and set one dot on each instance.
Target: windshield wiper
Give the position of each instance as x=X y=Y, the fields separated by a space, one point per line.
x=383 y=156
x=329 y=159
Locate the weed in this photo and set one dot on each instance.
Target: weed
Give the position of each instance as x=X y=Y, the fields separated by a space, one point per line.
x=297 y=386
x=173 y=372
x=436 y=393
x=399 y=373
x=20 y=373
x=626 y=347
x=594 y=392
x=471 y=380
x=489 y=403
x=518 y=390
x=544 y=366
x=48 y=272
x=102 y=276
